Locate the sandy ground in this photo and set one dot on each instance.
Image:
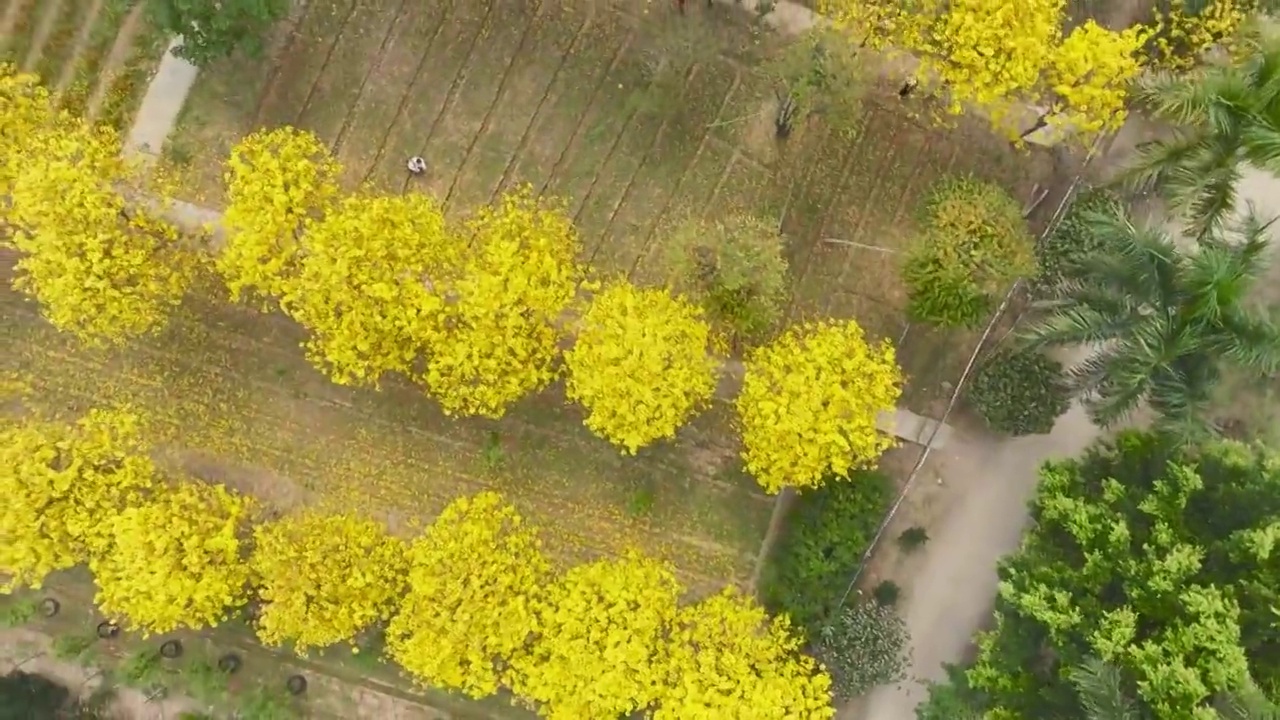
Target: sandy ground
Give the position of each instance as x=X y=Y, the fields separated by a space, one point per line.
x=31 y=651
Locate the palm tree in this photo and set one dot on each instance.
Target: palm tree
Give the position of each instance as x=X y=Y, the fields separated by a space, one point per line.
x=1101 y=690
x=1225 y=117
x=1159 y=322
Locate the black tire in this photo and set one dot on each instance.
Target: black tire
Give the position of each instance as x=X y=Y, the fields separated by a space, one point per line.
x=229 y=663
x=171 y=649
x=50 y=607
x=108 y=630
x=296 y=684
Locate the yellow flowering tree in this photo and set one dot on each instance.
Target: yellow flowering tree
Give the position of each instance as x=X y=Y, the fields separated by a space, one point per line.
x=175 y=561
x=728 y=659
x=809 y=404
x=601 y=648
x=1185 y=31
x=497 y=341
x=26 y=110
x=277 y=181
x=61 y=486
x=371 y=278
x=641 y=365
x=473 y=578
x=323 y=578
x=100 y=269
x=1089 y=73
x=1001 y=57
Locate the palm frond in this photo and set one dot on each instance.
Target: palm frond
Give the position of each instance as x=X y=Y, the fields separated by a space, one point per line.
x=1100 y=687
x=1247 y=703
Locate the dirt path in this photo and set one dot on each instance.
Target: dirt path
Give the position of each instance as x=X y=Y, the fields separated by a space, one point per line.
x=115 y=60
x=988 y=482
x=48 y=18
x=68 y=74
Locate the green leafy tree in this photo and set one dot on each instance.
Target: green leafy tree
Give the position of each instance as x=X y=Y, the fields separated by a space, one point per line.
x=1161 y=323
x=1152 y=557
x=1226 y=116
x=823 y=544
x=213 y=29
x=973 y=244
x=1104 y=695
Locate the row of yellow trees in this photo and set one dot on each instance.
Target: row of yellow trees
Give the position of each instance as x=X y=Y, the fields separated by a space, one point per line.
x=470 y=605
x=473 y=312
x=1003 y=56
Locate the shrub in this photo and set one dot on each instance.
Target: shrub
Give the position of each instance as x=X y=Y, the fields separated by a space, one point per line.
x=951 y=699
x=1073 y=239
x=735 y=268
x=913 y=538
x=213 y=29
x=973 y=244
x=810 y=404
x=827 y=533
x=864 y=646
x=886 y=593
x=1020 y=392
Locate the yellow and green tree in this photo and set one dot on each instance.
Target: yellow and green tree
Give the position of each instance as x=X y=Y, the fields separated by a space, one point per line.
x=278 y=181
x=729 y=659
x=601 y=644
x=371 y=284
x=1001 y=57
x=498 y=337
x=100 y=267
x=474 y=576
x=176 y=560
x=809 y=404
x=61 y=485
x=324 y=578
x=641 y=365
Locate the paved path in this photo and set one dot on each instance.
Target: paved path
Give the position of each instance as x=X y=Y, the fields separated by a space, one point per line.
x=161 y=106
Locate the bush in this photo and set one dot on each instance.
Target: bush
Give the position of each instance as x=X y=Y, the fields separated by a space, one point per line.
x=865 y=646
x=827 y=533
x=735 y=268
x=1072 y=239
x=974 y=243
x=887 y=593
x=1019 y=392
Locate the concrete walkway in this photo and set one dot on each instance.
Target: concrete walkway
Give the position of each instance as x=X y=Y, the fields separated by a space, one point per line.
x=162 y=104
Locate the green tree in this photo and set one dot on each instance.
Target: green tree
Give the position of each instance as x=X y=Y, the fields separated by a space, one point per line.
x=1152 y=557
x=1104 y=695
x=1226 y=116
x=213 y=29
x=973 y=244
x=1160 y=322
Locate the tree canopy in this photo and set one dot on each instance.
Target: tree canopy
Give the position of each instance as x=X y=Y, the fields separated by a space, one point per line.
x=1150 y=556
x=1161 y=322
